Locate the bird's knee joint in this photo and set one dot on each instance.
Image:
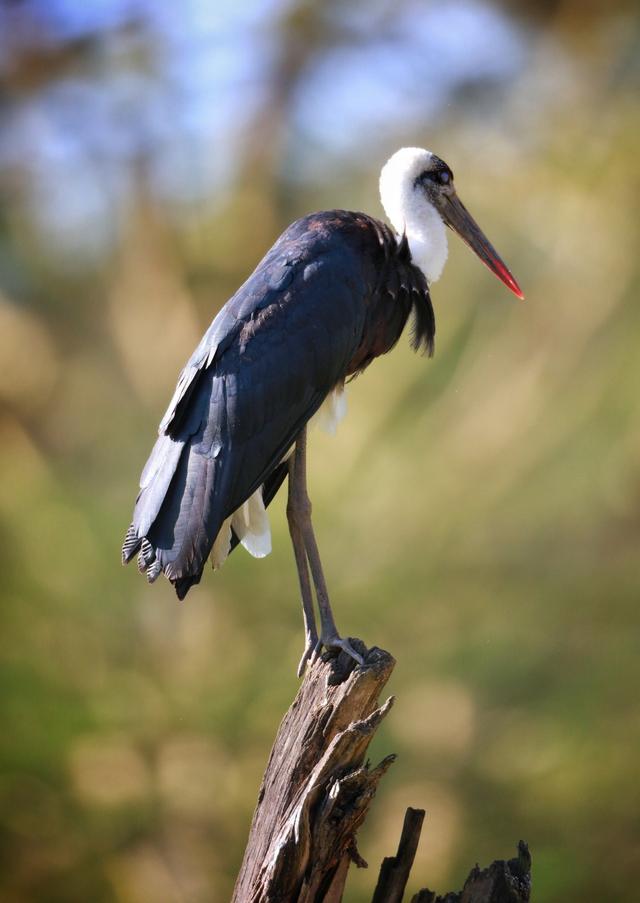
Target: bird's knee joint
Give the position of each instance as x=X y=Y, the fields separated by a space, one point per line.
x=299 y=511
x=306 y=508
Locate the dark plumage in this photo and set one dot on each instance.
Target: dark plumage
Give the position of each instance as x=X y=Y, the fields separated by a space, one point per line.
x=333 y=293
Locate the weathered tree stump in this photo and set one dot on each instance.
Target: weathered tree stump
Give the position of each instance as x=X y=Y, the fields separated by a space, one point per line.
x=317 y=790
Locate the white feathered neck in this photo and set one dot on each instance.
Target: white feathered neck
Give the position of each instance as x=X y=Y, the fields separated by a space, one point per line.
x=410 y=212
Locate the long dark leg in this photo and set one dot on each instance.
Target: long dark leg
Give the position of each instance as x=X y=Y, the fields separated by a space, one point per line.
x=301 y=513
x=310 y=629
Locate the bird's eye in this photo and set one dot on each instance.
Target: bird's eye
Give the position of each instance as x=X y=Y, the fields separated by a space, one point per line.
x=439 y=176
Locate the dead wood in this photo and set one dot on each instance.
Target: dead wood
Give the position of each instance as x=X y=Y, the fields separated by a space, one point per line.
x=501 y=882
x=317 y=787
x=316 y=792
x=394 y=871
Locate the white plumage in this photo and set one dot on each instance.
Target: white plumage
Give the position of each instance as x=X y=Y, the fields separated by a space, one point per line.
x=331 y=411
x=410 y=212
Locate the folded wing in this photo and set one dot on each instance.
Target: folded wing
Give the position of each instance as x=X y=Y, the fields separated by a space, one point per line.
x=263 y=368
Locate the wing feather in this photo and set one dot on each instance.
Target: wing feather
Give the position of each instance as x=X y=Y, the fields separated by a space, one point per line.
x=261 y=371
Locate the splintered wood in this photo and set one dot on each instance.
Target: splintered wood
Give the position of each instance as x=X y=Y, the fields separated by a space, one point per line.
x=317 y=787
x=316 y=792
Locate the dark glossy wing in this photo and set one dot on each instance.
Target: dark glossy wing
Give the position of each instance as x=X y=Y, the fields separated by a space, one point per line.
x=261 y=371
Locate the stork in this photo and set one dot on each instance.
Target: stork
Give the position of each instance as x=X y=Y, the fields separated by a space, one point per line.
x=334 y=292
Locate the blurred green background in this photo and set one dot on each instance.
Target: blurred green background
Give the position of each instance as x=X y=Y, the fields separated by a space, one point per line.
x=478 y=513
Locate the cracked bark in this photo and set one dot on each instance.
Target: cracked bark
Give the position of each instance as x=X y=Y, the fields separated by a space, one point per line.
x=317 y=787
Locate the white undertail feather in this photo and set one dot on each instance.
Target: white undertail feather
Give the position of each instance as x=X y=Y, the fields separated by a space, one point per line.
x=331 y=411
x=251 y=525
x=410 y=212
x=221 y=546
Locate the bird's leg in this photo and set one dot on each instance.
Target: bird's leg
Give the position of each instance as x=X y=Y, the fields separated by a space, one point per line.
x=329 y=636
x=310 y=629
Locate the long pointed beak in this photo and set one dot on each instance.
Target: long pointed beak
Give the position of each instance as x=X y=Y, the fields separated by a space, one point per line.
x=458 y=218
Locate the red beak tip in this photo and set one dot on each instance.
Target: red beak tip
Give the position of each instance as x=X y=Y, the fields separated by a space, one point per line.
x=513 y=286
x=505 y=276
x=511 y=283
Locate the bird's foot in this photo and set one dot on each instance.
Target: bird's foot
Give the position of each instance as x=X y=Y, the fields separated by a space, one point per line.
x=311 y=644
x=334 y=642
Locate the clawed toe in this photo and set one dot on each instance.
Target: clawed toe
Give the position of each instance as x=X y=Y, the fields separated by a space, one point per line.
x=336 y=642
x=309 y=654
x=332 y=643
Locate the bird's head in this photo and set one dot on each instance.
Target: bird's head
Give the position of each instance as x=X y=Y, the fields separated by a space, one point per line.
x=419 y=197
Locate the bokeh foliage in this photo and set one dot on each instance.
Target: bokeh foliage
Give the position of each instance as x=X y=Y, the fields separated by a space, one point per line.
x=478 y=513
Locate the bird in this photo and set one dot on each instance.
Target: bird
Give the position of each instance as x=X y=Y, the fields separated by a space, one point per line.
x=333 y=293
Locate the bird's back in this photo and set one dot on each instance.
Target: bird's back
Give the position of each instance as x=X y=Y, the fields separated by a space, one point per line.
x=333 y=292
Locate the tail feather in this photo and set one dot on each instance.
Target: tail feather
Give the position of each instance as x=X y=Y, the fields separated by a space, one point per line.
x=174 y=521
x=146 y=555
x=183 y=584
x=153 y=571
x=131 y=544
x=156 y=479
